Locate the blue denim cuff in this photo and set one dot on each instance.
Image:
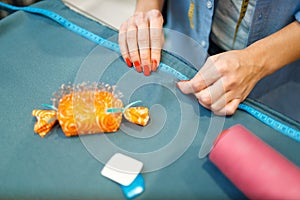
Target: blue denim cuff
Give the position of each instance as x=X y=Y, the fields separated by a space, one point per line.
x=297 y=16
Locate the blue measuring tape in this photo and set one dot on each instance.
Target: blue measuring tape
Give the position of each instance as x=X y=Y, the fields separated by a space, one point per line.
x=269 y=121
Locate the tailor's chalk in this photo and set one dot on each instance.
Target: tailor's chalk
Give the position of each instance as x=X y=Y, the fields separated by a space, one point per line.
x=122 y=169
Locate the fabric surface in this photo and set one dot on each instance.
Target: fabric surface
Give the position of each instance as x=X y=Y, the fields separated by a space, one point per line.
x=38 y=56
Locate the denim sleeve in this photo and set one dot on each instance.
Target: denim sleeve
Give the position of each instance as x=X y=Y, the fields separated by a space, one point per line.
x=297 y=15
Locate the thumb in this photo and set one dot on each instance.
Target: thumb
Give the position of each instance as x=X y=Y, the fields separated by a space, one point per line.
x=185 y=86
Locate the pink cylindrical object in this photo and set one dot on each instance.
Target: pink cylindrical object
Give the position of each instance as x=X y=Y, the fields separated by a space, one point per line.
x=254 y=167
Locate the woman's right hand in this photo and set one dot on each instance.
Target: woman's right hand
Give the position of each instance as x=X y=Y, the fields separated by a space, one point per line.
x=141 y=39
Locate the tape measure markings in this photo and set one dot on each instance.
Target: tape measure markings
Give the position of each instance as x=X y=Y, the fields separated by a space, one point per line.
x=67 y=24
x=280 y=127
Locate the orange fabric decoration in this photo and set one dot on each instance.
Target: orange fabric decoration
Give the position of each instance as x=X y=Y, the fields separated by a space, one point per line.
x=84 y=110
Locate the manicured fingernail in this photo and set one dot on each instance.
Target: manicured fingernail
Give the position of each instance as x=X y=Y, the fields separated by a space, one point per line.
x=146 y=70
x=154 y=64
x=179 y=83
x=137 y=66
x=128 y=62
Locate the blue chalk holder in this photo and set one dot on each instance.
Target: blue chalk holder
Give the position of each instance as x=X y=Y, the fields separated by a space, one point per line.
x=136 y=188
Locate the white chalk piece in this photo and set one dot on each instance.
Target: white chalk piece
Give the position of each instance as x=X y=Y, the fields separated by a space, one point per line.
x=122 y=169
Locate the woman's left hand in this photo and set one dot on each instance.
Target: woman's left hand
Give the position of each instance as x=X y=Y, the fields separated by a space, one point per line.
x=224 y=81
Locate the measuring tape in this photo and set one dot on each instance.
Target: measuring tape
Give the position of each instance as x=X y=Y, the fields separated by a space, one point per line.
x=269 y=121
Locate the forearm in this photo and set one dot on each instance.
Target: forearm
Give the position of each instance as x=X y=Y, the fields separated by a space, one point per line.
x=275 y=51
x=146 y=5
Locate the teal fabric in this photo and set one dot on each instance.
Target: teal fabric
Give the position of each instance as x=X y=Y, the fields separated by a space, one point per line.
x=37 y=56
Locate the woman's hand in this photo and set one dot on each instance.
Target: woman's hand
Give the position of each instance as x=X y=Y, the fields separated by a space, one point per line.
x=224 y=81
x=141 y=39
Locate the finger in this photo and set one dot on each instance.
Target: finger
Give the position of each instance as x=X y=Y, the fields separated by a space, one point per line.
x=123 y=44
x=156 y=35
x=207 y=75
x=207 y=107
x=185 y=87
x=144 y=42
x=132 y=44
x=230 y=108
x=193 y=86
x=213 y=96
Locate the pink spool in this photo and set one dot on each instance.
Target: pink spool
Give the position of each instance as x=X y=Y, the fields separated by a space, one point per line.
x=254 y=167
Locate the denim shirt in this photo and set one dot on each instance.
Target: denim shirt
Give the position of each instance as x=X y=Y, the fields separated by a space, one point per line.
x=269 y=17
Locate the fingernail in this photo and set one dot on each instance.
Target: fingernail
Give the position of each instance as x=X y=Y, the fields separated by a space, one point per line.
x=154 y=64
x=137 y=66
x=146 y=70
x=183 y=81
x=179 y=83
x=128 y=62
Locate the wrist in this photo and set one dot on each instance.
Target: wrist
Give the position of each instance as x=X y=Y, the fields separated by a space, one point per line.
x=275 y=51
x=257 y=57
x=145 y=6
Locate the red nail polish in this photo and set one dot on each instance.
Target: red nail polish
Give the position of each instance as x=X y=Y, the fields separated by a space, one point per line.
x=136 y=63
x=184 y=80
x=154 y=65
x=137 y=66
x=146 y=70
x=128 y=62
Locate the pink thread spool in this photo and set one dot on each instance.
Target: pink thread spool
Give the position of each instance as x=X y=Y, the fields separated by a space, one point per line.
x=254 y=167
